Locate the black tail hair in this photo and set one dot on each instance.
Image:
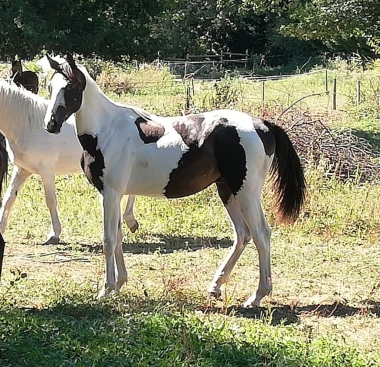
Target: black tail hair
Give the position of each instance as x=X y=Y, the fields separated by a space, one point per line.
x=287 y=170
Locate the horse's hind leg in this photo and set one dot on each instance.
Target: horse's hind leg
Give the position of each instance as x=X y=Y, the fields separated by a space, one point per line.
x=249 y=202
x=19 y=176
x=48 y=180
x=128 y=215
x=241 y=238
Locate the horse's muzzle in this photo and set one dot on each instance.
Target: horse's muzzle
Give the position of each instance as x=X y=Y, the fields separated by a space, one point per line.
x=53 y=126
x=57 y=119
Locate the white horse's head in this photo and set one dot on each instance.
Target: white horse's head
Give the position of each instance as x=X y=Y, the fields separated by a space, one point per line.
x=66 y=93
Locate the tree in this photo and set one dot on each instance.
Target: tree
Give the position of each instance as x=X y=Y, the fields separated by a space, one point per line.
x=350 y=24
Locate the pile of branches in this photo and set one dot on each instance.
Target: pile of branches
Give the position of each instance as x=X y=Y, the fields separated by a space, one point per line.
x=344 y=154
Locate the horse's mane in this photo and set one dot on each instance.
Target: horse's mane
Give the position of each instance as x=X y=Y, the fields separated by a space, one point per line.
x=23 y=109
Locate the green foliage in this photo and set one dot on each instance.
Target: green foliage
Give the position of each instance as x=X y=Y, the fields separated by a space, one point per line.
x=99 y=333
x=107 y=28
x=276 y=32
x=147 y=80
x=339 y=24
x=324 y=310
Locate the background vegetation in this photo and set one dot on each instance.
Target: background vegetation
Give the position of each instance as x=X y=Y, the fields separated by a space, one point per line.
x=275 y=32
x=325 y=307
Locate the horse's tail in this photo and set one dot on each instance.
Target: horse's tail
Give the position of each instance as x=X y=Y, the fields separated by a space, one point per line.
x=289 y=181
x=3 y=163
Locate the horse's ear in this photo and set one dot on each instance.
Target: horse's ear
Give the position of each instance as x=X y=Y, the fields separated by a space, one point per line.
x=70 y=60
x=54 y=64
x=80 y=79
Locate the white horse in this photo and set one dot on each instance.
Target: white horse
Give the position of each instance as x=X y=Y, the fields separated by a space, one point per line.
x=129 y=151
x=33 y=150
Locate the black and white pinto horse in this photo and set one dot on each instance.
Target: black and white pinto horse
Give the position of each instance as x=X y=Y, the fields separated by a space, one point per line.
x=129 y=151
x=34 y=151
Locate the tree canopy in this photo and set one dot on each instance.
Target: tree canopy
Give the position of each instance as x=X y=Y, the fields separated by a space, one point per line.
x=117 y=29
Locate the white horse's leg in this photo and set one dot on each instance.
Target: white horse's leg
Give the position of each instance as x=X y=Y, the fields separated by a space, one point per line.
x=111 y=220
x=128 y=215
x=254 y=217
x=19 y=176
x=241 y=238
x=48 y=180
x=122 y=275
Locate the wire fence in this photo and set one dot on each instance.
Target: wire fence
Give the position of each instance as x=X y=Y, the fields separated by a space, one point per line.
x=320 y=90
x=239 y=88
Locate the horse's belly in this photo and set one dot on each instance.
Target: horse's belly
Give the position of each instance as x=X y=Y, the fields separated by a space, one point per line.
x=68 y=161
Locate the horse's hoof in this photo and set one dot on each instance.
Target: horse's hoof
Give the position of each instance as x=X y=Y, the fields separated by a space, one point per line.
x=107 y=290
x=134 y=227
x=252 y=303
x=217 y=294
x=52 y=241
x=101 y=294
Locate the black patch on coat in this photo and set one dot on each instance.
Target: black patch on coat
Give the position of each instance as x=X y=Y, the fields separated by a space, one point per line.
x=220 y=158
x=73 y=95
x=93 y=168
x=266 y=136
x=149 y=131
x=231 y=157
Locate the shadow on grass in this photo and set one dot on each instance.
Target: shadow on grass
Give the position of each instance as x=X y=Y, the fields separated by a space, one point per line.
x=85 y=332
x=286 y=314
x=101 y=334
x=163 y=243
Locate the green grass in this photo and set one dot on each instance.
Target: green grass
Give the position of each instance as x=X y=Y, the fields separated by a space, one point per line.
x=325 y=306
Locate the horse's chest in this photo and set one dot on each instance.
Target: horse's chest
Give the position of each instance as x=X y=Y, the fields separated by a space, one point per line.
x=92 y=160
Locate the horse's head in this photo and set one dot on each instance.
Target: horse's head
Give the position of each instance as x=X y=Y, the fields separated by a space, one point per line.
x=66 y=92
x=16 y=66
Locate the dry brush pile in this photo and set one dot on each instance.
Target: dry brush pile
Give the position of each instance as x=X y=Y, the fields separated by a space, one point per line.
x=344 y=154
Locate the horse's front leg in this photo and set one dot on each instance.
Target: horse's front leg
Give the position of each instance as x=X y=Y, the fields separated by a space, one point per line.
x=19 y=176
x=122 y=275
x=128 y=215
x=111 y=220
x=48 y=180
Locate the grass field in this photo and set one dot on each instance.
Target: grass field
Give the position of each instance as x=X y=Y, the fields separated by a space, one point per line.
x=324 y=310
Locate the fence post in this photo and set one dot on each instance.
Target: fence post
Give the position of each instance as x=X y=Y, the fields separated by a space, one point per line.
x=185 y=71
x=246 y=59
x=358 y=94
x=334 y=95
x=187 y=100
x=263 y=94
x=326 y=81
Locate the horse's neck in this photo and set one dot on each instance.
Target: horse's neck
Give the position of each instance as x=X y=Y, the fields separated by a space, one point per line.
x=19 y=114
x=17 y=69
x=95 y=111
